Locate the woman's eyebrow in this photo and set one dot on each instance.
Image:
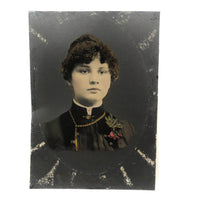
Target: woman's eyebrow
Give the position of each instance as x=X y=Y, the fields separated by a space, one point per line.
x=105 y=68
x=83 y=65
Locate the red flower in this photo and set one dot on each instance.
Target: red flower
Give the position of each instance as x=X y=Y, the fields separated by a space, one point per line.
x=111 y=134
x=119 y=134
x=114 y=136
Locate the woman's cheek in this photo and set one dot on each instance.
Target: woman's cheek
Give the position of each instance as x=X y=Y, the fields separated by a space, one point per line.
x=106 y=84
x=77 y=81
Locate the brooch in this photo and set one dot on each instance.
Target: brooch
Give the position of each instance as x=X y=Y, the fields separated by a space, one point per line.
x=115 y=125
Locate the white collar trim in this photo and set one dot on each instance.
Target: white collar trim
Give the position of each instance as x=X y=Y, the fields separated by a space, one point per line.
x=89 y=109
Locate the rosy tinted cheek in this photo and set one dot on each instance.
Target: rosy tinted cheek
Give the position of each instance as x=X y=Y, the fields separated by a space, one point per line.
x=76 y=80
x=106 y=84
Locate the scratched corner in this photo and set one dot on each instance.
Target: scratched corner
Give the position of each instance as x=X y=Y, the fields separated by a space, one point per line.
x=38 y=35
x=37 y=147
x=145 y=43
x=122 y=18
x=48 y=179
x=146 y=158
x=126 y=178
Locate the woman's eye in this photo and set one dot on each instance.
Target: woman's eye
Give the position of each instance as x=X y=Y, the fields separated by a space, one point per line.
x=103 y=72
x=82 y=71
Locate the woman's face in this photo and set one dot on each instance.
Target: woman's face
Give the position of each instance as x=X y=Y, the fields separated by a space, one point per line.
x=91 y=82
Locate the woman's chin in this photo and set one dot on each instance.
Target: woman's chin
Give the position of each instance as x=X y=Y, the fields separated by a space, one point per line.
x=89 y=102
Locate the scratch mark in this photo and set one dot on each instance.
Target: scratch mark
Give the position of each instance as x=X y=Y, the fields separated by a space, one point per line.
x=93 y=13
x=38 y=146
x=121 y=18
x=35 y=68
x=61 y=20
x=127 y=180
x=102 y=177
x=150 y=70
x=38 y=35
x=149 y=161
x=74 y=173
x=49 y=178
x=146 y=42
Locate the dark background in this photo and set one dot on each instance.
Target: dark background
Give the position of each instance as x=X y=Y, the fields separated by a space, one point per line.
x=133 y=97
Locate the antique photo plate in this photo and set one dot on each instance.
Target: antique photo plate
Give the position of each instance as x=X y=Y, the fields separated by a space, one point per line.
x=133 y=37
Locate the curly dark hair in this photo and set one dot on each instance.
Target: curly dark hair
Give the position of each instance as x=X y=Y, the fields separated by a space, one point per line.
x=83 y=50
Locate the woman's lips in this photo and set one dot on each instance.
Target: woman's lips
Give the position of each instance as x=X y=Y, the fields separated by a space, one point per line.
x=94 y=89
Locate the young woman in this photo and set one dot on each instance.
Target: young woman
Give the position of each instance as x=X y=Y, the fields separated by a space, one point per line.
x=89 y=69
x=80 y=148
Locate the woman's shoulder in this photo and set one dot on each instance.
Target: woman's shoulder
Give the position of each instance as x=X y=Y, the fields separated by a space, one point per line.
x=121 y=130
x=56 y=122
x=53 y=129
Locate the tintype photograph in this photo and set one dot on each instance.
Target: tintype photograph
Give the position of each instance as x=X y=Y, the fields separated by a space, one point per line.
x=94 y=90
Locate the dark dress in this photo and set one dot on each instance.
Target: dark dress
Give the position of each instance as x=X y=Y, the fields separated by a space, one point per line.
x=81 y=151
x=101 y=130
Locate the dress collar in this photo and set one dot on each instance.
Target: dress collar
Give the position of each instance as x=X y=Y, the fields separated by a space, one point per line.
x=88 y=109
x=80 y=112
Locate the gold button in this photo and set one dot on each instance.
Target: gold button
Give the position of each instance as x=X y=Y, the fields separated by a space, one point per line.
x=88 y=117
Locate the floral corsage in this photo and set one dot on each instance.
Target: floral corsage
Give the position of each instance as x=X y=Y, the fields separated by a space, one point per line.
x=116 y=126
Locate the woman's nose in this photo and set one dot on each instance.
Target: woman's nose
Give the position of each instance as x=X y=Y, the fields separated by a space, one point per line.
x=94 y=79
